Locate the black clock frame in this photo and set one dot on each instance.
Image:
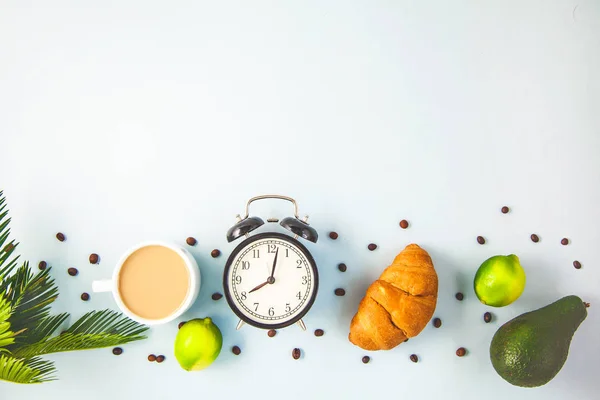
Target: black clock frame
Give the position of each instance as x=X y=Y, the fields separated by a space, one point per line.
x=255 y=238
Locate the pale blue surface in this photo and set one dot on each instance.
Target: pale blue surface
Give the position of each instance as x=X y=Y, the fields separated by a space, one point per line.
x=132 y=120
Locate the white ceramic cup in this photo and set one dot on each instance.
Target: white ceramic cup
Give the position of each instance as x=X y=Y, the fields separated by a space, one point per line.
x=112 y=285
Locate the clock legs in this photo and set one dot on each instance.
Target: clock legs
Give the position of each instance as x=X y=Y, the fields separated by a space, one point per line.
x=239 y=325
x=301 y=325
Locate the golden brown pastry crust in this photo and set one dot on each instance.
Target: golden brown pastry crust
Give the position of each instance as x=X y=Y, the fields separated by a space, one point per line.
x=399 y=304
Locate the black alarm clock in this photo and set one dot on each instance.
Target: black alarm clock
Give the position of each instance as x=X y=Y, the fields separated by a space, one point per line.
x=271 y=279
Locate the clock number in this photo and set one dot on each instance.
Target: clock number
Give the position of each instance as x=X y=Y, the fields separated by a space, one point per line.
x=256 y=253
x=287 y=252
x=305 y=280
x=255 y=306
x=271 y=249
x=244 y=297
x=287 y=307
x=298 y=263
x=271 y=312
x=245 y=264
x=238 y=279
x=299 y=296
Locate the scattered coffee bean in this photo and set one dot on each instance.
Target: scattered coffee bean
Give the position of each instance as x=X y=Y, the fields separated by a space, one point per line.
x=117 y=351
x=72 y=271
x=216 y=296
x=215 y=253
x=9 y=247
x=480 y=240
x=414 y=358
x=577 y=264
x=296 y=353
x=319 y=332
x=181 y=324
x=61 y=236
x=160 y=359
x=333 y=235
x=437 y=322
x=151 y=358
x=372 y=246
x=459 y=296
x=487 y=317
x=535 y=238
x=461 y=351
x=85 y=296
x=191 y=241
x=42 y=265
x=505 y=210
x=564 y=241
x=342 y=267
x=94 y=258
x=339 y=292
x=272 y=333
x=404 y=224
x=366 y=359
x=236 y=350
x=587 y=305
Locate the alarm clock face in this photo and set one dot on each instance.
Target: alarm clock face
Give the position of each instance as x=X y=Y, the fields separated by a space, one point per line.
x=270 y=280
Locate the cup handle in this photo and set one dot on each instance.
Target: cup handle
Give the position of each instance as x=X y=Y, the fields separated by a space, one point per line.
x=105 y=285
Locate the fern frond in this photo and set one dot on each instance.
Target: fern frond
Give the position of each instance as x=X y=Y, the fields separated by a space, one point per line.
x=95 y=329
x=7 y=264
x=44 y=329
x=6 y=335
x=18 y=370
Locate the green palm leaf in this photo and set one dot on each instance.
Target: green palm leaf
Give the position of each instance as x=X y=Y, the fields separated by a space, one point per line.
x=33 y=370
x=6 y=335
x=7 y=264
x=94 y=330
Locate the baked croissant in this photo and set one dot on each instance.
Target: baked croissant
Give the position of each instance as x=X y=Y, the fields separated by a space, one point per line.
x=399 y=304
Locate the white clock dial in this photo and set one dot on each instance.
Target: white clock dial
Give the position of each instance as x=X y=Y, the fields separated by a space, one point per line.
x=271 y=280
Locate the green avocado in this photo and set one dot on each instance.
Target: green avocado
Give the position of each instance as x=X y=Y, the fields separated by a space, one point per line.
x=529 y=350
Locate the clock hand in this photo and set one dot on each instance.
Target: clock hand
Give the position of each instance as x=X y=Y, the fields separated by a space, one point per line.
x=258 y=287
x=274 y=263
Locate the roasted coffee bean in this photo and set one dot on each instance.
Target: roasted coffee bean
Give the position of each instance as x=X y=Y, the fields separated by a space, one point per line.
x=272 y=333
x=9 y=247
x=505 y=210
x=459 y=296
x=42 y=265
x=160 y=358
x=372 y=246
x=366 y=359
x=342 y=267
x=296 y=353
x=319 y=332
x=404 y=224
x=480 y=240
x=151 y=358
x=215 y=253
x=437 y=322
x=72 y=271
x=181 y=324
x=216 y=296
x=85 y=296
x=339 y=292
x=564 y=241
x=487 y=317
x=414 y=358
x=61 y=236
x=577 y=264
x=236 y=350
x=333 y=235
x=461 y=351
x=191 y=241
x=94 y=258
x=535 y=238
x=117 y=351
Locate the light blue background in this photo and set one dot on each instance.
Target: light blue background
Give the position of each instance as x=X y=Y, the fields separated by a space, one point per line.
x=124 y=121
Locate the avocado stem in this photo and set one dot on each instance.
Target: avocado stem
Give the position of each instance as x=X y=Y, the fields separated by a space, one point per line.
x=587 y=305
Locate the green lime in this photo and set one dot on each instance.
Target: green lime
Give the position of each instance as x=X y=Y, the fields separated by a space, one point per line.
x=198 y=344
x=499 y=281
